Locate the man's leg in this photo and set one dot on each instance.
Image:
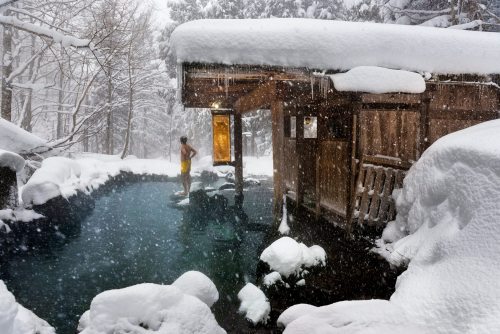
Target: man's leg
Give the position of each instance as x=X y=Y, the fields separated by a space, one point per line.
x=184 y=183
x=188 y=182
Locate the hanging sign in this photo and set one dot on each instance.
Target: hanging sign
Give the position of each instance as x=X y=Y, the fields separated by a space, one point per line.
x=221 y=130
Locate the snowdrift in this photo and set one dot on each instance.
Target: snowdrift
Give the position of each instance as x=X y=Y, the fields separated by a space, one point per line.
x=448 y=231
x=153 y=308
x=15 y=319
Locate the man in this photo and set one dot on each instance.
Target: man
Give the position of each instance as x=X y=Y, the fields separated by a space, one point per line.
x=187 y=153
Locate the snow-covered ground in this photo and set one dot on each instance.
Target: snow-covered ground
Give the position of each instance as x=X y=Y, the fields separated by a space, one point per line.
x=181 y=308
x=15 y=319
x=65 y=176
x=447 y=230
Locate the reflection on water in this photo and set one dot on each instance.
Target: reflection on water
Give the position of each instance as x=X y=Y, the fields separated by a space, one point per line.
x=134 y=235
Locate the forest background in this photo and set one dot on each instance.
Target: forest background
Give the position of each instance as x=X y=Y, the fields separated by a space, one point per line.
x=99 y=76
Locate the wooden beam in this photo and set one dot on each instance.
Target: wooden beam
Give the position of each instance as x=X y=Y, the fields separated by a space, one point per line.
x=398 y=98
x=277 y=114
x=260 y=97
x=238 y=157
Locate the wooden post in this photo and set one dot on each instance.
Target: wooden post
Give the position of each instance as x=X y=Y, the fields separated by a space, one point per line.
x=351 y=193
x=277 y=114
x=238 y=159
x=300 y=159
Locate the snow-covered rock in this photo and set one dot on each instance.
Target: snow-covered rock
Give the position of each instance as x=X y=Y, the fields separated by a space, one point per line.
x=59 y=176
x=336 y=45
x=15 y=139
x=378 y=80
x=19 y=215
x=15 y=319
x=254 y=304
x=148 y=308
x=11 y=160
x=287 y=256
x=447 y=231
x=198 y=285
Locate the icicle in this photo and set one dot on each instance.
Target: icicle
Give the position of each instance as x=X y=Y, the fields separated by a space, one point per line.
x=284 y=228
x=312 y=87
x=226 y=83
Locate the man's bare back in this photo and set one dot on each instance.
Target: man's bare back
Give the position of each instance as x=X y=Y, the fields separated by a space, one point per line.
x=187 y=152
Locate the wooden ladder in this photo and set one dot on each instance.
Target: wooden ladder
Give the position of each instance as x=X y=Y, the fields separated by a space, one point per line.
x=377 y=179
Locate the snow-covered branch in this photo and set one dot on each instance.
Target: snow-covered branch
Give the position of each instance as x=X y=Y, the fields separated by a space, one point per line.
x=58 y=37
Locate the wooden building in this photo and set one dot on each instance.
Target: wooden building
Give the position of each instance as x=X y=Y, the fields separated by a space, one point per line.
x=338 y=153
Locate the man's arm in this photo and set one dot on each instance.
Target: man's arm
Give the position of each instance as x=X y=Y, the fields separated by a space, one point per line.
x=193 y=152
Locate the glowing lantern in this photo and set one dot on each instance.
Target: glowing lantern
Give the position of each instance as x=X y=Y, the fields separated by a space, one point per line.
x=221 y=129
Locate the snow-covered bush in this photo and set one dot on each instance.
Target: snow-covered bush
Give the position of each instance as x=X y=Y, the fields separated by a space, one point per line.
x=254 y=304
x=181 y=308
x=448 y=231
x=286 y=256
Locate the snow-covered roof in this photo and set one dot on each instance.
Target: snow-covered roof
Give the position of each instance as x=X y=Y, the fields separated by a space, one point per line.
x=336 y=45
x=378 y=80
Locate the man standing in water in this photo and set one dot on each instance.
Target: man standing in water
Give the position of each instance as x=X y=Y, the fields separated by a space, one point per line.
x=187 y=153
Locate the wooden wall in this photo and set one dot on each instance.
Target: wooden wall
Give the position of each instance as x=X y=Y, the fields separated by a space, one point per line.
x=333 y=175
x=453 y=107
x=392 y=133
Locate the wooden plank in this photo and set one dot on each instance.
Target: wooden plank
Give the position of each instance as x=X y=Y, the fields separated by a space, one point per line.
x=396 y=98
x=381 y=133
x=258 y=98
x=375 y=197
x=365 y=198
x=387 y=192
x=333 y=183
x=386 y=161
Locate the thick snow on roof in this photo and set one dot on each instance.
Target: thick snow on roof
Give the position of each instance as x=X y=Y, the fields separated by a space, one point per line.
x=448 y=229
x=15 y=139
x=378 y=80
x=336 y=45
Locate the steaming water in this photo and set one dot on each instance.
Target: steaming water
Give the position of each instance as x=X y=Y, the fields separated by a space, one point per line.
x=132 y=236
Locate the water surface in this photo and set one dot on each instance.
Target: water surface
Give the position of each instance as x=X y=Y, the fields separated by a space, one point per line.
x=134 y=235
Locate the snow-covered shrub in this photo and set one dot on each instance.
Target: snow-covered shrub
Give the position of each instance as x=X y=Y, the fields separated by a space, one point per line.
x=286 y=256
x=254 y=304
